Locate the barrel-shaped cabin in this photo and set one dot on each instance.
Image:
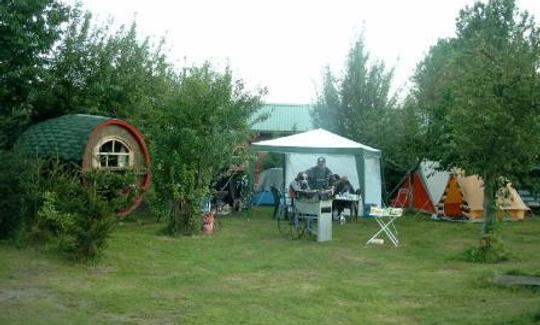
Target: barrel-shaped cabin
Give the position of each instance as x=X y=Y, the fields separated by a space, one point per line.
x=93 y=142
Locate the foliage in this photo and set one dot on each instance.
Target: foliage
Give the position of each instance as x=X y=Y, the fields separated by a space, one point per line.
x=59 y=226
x=272 y=160
x=327 y=113
x=55 y=61
x=13 y=169
x=98 y=71
x=355 y=105
x=198 y=135
x=479 y=95
x=490 y=250
x=28 y=32
x=360 y=106
x=53 y=203
x=76 y=213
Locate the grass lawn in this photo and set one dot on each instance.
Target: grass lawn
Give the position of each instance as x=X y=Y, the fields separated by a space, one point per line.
x=248 y=274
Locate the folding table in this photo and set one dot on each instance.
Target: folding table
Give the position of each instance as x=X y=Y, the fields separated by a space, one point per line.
x=354 y=202
x=385 y=218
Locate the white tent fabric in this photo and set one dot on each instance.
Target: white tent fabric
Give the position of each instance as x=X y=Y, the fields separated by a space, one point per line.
x=435 y=180
x=318 y=138
x=343 y=165
x=373 y=190
x=359 y=162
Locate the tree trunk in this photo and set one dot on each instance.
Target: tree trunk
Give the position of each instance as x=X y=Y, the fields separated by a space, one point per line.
x=490 y=211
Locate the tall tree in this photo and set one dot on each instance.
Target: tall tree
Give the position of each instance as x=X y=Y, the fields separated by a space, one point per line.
x=353 y=105
x=97 y=71
x=359 y=105
x=325 y=114
x=28 y=32
x=480 y=93
x=197 y=136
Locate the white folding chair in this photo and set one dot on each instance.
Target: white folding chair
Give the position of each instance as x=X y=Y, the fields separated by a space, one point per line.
x=385 y=219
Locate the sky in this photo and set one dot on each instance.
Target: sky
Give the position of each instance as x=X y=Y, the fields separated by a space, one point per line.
x=284 y=45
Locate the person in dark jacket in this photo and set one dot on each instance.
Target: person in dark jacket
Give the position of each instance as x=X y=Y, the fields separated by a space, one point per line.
x=342 y=188
x=318 y=176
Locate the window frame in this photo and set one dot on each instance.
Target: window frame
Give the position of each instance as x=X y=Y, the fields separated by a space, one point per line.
x=98 y=154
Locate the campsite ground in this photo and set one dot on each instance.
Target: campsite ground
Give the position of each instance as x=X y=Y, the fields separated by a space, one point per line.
x=249 y=274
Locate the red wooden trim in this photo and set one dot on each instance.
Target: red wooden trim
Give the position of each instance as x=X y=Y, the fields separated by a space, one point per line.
x=147 y=180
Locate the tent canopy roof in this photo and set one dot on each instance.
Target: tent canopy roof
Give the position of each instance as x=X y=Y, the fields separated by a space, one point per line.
x=318 y=140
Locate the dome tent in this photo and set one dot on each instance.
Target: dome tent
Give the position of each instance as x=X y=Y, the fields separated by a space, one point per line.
x=92 y=142
x=360 y=163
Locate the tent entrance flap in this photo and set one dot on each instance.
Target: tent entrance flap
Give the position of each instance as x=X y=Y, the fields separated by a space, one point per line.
x=372 y=187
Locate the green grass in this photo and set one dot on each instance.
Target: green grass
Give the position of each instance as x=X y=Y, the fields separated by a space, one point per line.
x=249 y=274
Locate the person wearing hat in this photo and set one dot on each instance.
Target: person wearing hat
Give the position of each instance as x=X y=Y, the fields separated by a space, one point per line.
x=318 y=175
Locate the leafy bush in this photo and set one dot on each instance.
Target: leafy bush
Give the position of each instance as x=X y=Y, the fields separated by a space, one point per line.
x=77 y=212
x=198 y=134
x=13 y=169
x=60 y=206
x=490 y=250
x=55 y=226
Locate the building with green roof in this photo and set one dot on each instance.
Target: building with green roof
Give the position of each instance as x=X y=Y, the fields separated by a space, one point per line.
x=284 y=119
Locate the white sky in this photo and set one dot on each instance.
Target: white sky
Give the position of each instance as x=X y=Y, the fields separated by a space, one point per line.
x=284 y=45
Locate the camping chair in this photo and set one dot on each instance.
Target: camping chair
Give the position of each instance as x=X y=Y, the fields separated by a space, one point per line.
x=385 y=219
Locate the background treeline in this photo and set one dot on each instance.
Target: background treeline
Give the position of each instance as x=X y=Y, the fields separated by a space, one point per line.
x=474 y=104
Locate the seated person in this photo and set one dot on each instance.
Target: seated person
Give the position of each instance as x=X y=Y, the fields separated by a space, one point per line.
x=343 y=186
x=318 y=175
x=333 y=180
x=300 y=183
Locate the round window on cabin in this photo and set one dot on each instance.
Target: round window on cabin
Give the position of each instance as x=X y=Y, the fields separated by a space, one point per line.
x=114 y=154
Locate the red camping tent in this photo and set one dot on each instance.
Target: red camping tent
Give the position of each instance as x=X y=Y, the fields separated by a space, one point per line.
x=412 y=193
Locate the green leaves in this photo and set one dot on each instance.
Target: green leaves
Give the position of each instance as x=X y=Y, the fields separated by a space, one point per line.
x=354 y=104
x=195 y=138
x=360 y=106
x=480 y=94
x=101 y=72
x=28 y=32
x=483 y=114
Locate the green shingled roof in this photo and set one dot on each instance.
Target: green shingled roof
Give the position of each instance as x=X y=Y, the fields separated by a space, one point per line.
x=285 y=118
x=64 y=136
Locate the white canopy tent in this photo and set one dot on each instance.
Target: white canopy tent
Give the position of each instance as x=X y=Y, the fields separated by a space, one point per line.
x=360 y=163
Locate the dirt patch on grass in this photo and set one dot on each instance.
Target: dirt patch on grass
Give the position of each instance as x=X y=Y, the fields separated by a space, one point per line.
x=20 y=295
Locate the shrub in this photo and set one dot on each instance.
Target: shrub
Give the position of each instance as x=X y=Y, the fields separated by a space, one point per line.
x=13 y=170
x=201 y=131
x=77 y=213
x=70 y=211
x=55 y=227
x=490 y=250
